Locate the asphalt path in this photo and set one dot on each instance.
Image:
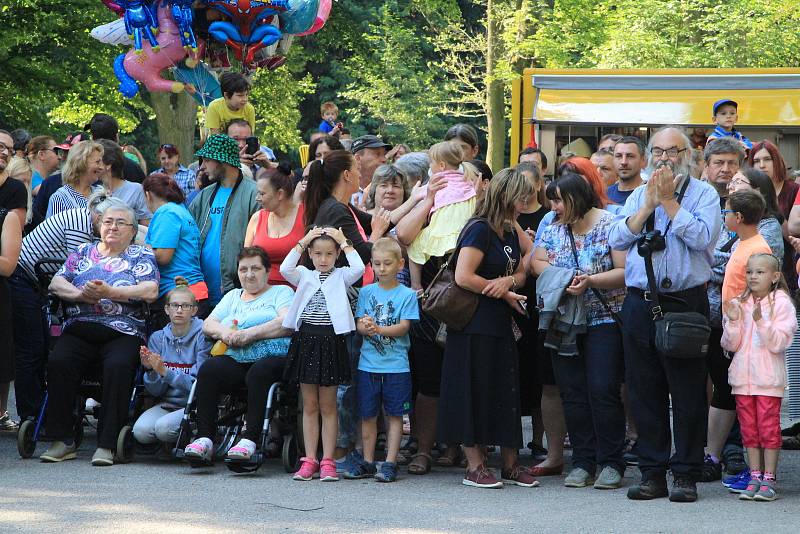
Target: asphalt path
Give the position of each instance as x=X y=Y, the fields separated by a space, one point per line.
x=149 y=496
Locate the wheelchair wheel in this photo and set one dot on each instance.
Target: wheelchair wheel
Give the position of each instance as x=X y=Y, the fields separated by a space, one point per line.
x=290 y=453
x=25 y=443
x=125 y=445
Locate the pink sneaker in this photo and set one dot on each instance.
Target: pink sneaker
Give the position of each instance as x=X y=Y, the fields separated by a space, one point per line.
x=308 y=468
x=327 y=470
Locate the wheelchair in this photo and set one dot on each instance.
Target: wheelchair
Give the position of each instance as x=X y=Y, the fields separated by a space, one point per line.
x=283 y=413
x=30 y=430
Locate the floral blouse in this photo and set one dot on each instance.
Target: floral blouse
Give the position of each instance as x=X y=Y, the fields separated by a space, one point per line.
x=136 y=264
x=594 y=255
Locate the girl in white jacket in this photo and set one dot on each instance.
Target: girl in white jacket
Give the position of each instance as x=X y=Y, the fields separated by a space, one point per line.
x=318 y=359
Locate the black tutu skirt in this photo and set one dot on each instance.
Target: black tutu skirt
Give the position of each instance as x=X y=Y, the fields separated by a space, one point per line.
x=317 y=356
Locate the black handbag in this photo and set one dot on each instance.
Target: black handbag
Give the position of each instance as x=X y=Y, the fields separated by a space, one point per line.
x=443 y=299
x=678 y=334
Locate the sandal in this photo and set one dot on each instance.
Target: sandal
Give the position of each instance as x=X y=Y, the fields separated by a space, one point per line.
x=411 y=446
x=446 y=460
x=423 y=467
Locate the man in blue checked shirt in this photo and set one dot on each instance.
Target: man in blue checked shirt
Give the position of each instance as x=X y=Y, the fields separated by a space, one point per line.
x=686 y=211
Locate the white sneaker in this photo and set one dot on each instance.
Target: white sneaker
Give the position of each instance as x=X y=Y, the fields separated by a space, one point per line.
x=243 y=450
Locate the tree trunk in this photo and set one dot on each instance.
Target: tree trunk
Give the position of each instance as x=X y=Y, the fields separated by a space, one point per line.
x=495 y=95
x=176 y=116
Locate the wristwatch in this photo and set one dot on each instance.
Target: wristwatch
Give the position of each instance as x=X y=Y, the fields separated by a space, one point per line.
x=347 y=243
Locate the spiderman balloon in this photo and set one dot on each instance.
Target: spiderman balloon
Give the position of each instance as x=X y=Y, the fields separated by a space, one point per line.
x=250 y=27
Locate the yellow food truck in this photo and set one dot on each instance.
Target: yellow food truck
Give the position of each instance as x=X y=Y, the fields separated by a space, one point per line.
x=558 y=107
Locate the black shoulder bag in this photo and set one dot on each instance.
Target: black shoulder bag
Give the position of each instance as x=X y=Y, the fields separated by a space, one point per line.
x=678 y=334
x=596 y=292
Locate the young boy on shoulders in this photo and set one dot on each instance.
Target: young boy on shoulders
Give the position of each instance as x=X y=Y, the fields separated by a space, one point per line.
x=233 y=104
x=384 y=314
x=726 y=115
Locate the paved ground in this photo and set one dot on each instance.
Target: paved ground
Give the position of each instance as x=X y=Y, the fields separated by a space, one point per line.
x=149 y=496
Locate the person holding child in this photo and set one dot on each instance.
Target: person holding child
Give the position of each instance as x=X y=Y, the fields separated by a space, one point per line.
x=318 y=358
x=758 y=328
x=451 y=207
x=171 y=361
x=384 y=313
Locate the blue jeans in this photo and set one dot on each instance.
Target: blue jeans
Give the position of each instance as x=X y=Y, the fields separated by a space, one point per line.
x=347 y=398
x=590 y=392
x=30 y=343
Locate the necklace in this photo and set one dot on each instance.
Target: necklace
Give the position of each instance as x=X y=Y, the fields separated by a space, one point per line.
x=278 y=227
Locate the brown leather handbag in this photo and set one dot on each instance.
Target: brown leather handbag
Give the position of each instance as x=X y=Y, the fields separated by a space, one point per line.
x=443 y=299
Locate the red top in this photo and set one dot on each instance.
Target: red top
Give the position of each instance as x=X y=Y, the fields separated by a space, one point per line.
x=278 y=247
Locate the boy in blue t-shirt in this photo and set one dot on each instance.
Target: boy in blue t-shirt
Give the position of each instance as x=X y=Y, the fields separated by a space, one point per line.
x=384 y=314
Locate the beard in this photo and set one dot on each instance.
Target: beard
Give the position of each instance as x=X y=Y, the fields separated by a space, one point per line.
x=682 y=168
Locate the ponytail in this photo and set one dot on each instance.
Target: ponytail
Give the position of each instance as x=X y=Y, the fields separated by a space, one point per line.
x=323 y=176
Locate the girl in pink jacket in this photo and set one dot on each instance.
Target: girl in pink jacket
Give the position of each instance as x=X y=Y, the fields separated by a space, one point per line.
x=758 y=328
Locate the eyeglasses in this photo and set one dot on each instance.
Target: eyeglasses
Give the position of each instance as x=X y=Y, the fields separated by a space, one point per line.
x=725 y=212
x=4 y=148
x=671 y=152
x=740 y=181
x=167 y=146
x=120 y=223
x=175 y=306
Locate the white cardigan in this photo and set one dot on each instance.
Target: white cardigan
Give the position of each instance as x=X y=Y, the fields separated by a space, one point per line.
x=334 y=288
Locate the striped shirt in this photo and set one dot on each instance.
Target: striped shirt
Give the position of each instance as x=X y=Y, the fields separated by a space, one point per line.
x=185 y=178
x=65 y=198
x=316 y=311
x=56 y=237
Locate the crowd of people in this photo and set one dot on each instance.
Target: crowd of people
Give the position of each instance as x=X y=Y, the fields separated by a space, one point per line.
x=641 y=296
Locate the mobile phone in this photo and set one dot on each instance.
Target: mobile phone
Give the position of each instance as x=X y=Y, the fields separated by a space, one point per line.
x=253 y=145
x=523 y=309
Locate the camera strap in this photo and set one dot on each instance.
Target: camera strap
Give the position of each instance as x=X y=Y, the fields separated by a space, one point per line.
x=596 y=292
x=648 y=259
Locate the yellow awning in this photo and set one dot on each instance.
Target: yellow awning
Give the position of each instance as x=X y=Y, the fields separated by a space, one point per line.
x=775 y=107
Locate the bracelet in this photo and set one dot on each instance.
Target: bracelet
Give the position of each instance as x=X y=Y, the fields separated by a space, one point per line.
x=513 y=282
x=301 y=245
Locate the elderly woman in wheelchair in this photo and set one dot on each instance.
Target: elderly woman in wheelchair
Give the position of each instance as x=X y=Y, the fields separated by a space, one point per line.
x=247 y=323
x=102 y=285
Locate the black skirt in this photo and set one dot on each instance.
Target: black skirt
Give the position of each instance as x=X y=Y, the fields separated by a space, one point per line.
x=479 y=399
x=317 y=355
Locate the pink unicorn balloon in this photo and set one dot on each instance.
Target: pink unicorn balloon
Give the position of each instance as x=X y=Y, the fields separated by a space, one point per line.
x=146 y=66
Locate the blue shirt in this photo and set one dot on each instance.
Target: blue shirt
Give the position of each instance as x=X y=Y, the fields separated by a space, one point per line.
x=690 y=241
x=210 y=258
x=546 y=221
x=36 y=179
x=326 y=127
x=174 y=227
x=258 y=311
x=185 y=178
x=720 y=132
x=616 y=196
x=384 y=354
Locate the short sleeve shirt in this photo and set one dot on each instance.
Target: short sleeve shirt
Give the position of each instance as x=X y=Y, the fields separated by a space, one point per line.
x=256 y=312
x=384 y=354
x=210 y=257
x=13 y=194
x=219 y=115
x=135 y=265
x=174 y=227
x=594 y=256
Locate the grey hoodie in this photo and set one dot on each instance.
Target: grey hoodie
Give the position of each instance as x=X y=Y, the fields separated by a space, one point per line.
x=182 y=356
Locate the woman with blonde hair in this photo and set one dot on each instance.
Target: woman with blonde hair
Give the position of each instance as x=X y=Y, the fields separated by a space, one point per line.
x=479 y=399
x=84 y=167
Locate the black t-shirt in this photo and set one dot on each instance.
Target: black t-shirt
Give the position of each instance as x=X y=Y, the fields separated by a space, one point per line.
x=13 y=195
x=530 y=220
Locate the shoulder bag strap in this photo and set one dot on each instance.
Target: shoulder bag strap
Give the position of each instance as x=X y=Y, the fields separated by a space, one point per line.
x=596 y=292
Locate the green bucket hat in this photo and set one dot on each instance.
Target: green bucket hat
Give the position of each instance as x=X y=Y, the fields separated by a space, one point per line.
x=222 y=148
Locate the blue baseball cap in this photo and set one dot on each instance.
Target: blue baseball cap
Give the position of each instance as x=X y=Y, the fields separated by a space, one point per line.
x=723 y=102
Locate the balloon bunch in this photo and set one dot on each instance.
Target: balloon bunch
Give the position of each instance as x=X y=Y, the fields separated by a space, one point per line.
x=177 y=35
